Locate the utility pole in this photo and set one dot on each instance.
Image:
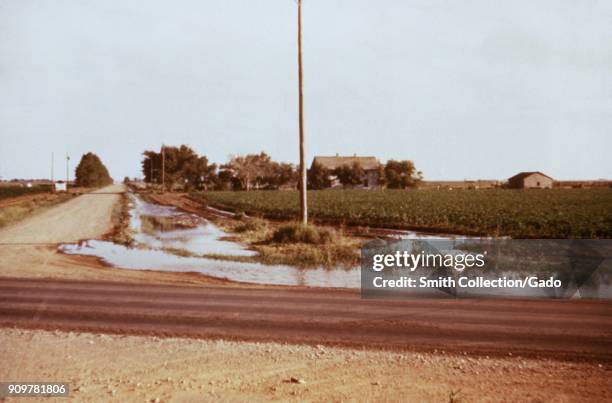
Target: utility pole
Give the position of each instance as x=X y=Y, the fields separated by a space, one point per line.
x=303 y=201
x=163 y=168
x=67 y=170
x=52 y=163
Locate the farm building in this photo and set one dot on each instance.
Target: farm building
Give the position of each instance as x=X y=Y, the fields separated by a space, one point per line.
x=530 y=180
x=60 y=186
x=370 y=166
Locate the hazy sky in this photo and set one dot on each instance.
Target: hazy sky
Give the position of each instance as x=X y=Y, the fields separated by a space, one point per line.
x=466 y=89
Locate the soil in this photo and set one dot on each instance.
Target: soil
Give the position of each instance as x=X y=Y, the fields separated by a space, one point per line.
x=118 y=368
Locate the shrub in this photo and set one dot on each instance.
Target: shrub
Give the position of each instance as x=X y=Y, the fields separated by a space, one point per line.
x=299 y=233
x=252 y=225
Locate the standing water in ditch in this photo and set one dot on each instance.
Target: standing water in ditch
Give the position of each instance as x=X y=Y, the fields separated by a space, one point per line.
x=167 y=239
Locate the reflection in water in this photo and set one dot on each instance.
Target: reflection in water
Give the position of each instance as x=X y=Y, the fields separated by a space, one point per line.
x=202 y=238
x=155 y=259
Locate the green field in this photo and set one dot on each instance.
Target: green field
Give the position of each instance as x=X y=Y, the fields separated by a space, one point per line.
x=16 y=190
x=553 y=213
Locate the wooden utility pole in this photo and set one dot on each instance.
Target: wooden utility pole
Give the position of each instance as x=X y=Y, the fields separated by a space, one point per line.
x=303 y=201
x=163 y=168
x=67 y=170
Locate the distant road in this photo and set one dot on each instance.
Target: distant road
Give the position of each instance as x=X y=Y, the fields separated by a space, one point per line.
x=86 y=216
x=574 y=329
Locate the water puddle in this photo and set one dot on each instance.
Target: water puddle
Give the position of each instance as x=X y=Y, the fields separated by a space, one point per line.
x=157 y=228
x=168 y=239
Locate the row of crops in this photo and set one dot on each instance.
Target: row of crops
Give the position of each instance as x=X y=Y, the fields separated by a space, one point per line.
x=17 y=190
x=554 y=213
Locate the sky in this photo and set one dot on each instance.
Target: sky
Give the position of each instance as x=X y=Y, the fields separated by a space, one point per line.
x=471 y=89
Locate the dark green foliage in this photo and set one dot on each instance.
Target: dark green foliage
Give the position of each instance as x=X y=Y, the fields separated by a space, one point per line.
x=318 y=177
x=91 y=172
x=350 y=175
x=181 y=166
x=16 y=190
x=401 y=174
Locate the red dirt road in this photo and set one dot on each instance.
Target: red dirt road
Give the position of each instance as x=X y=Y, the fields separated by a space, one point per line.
x=573 y=330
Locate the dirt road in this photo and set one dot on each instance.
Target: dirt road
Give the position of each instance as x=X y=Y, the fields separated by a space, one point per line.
x=575 y=330
x=87 y=216
x=28 y=249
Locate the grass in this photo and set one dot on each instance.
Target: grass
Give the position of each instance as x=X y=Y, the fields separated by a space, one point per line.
x=291 y=243
x=122 y=234
x=21 y=209
x=552 y=213
x=251 y=225
x=16 y=190
x=300 y=233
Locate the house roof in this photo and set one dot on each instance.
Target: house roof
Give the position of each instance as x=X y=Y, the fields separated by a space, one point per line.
x=366 y=163
x=523 y=175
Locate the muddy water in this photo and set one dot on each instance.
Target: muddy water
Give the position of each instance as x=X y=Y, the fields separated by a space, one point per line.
x=199 y=237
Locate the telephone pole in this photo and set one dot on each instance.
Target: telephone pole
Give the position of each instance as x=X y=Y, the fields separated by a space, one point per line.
x=52 y=163
x=67 y=170
x=303 y=201
x=163 y=168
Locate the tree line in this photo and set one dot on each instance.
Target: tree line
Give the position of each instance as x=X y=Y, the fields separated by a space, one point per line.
x=393 y=175
x=182 y=167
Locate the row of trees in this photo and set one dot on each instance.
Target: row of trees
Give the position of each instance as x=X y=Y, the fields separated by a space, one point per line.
x=393 y=175
x=182 y=166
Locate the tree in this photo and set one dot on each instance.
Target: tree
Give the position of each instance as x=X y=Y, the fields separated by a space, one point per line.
x=318 y=177
x=91 y=172
x=250 y=169
x=402 y=174
x=151 y=167
x=197 y=173
x=280 y=173
x=178 y=165
x=380 y=171
x=350 y=175
x=226 y=181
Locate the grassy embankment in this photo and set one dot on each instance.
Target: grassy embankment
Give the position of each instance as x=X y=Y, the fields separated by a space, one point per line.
x=293 y=243
x=121 y=234
x=17 y=202
x=554 y=213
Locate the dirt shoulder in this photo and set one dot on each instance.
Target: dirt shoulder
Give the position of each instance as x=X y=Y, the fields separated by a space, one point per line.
x=136 y=368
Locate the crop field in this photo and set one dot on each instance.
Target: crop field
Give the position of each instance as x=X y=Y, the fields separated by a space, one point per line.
x=14 y=191
x=553 y=213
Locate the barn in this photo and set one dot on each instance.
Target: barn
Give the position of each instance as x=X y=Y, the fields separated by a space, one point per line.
x=530 y=180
